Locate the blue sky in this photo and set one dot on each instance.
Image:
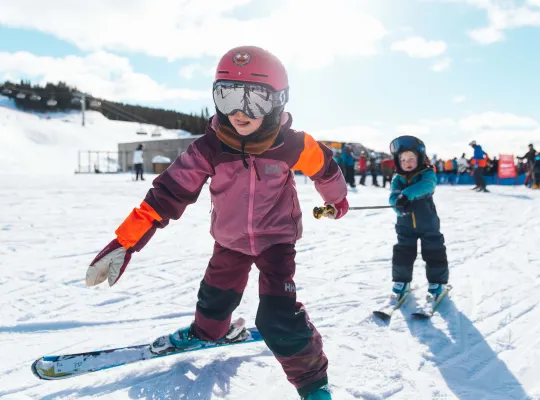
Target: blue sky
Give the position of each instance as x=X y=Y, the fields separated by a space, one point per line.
x=448 y=71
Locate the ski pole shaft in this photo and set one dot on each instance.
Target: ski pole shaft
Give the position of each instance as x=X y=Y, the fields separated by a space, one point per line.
x=371 y=207
x=330 y=211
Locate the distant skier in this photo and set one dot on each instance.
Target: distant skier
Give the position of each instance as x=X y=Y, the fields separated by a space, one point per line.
x=479 y=163
x=138 y=161
x=347 y=158
x=463 y=165
x=249 y=150
x=388 y=168
x=529 y=156
x=362 y=167
x=373 y=169
x=536 y=172
x=412 y=191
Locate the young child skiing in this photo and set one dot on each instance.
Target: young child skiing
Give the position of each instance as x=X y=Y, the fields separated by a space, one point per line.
x=249 y=150
x=412 y=194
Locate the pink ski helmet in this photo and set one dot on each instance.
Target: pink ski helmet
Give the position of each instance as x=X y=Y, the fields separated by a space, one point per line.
x=252 y=64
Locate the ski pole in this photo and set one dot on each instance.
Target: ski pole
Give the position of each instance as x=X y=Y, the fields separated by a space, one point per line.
x=329 y=210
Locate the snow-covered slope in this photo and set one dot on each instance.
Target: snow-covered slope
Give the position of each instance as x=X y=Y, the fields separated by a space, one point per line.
x=33 y=143
x=484 y=344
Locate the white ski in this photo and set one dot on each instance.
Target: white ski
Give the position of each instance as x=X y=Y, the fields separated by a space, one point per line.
x=428 y=308
x=393 y=304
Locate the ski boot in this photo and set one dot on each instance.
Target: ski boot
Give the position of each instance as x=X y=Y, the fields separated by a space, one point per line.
x=185 y=338
x=399 y=290
x=322 y=393
x=435 y=289
x=435 y=293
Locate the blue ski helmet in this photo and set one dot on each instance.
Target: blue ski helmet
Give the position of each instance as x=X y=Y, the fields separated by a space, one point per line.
x=408 y=143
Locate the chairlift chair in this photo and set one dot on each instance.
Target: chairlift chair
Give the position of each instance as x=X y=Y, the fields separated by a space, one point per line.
x=95 y=104
x=141 y=131
x=20 y=95
x=6 y=91
x=52 y=102
x=156 y=132
x=35 y=97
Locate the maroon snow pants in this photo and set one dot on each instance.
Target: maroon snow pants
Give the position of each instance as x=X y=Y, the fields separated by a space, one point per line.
x=281 y=320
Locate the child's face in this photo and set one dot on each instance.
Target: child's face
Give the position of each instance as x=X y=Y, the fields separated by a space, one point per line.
x=408 y=161
x=243 y=124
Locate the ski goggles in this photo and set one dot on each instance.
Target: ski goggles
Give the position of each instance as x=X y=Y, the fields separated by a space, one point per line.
x=404 y=143
x=253 y=99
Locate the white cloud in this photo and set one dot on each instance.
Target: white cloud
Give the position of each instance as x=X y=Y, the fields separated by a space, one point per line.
x=441 y=65
x=370 y=137
x=189 y=71
x=503 y=15
x=497 y=121
x=459 y=99
x=177 y=29
x=414 y=130
x=418 y=47
x=101 y=74
x=437 y=123
x=496 y=132
x=486 y=35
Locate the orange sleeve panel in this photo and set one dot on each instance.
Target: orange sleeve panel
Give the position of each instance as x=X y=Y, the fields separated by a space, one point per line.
x=136 y=225
x=311 y=159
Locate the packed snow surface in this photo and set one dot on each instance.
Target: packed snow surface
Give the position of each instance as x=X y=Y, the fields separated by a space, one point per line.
x=483 y=344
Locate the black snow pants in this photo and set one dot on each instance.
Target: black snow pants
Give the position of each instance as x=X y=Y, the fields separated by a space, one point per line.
x=424 y=225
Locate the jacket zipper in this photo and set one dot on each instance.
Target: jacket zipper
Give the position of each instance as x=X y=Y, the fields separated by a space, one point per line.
x=256 y=171
x=409 y=181
x=252 y=177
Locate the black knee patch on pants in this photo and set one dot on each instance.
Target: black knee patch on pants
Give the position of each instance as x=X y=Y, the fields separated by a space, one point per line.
x=283 y=327
x=436 y=265
x=402 y=263
x=217 y=304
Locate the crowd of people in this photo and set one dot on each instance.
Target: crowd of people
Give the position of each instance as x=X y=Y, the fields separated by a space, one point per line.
x=480 y=165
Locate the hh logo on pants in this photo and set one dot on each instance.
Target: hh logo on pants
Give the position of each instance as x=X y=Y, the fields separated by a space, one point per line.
x=289 y=287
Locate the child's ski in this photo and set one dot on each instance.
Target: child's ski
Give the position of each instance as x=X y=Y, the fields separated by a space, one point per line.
x=393 y=304
x=70 y=365
x=431 y=303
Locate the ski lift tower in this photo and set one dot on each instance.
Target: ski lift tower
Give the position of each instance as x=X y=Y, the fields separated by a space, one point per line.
x=79 y=96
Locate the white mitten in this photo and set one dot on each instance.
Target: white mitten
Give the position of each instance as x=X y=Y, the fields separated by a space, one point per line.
x=110 y=263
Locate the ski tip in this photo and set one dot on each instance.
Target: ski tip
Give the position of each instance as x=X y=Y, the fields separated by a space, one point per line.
x=382 y=315
x=34 y=370
x=46 y=374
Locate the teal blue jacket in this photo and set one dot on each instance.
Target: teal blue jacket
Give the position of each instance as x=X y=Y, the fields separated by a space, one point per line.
x=419 y=189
